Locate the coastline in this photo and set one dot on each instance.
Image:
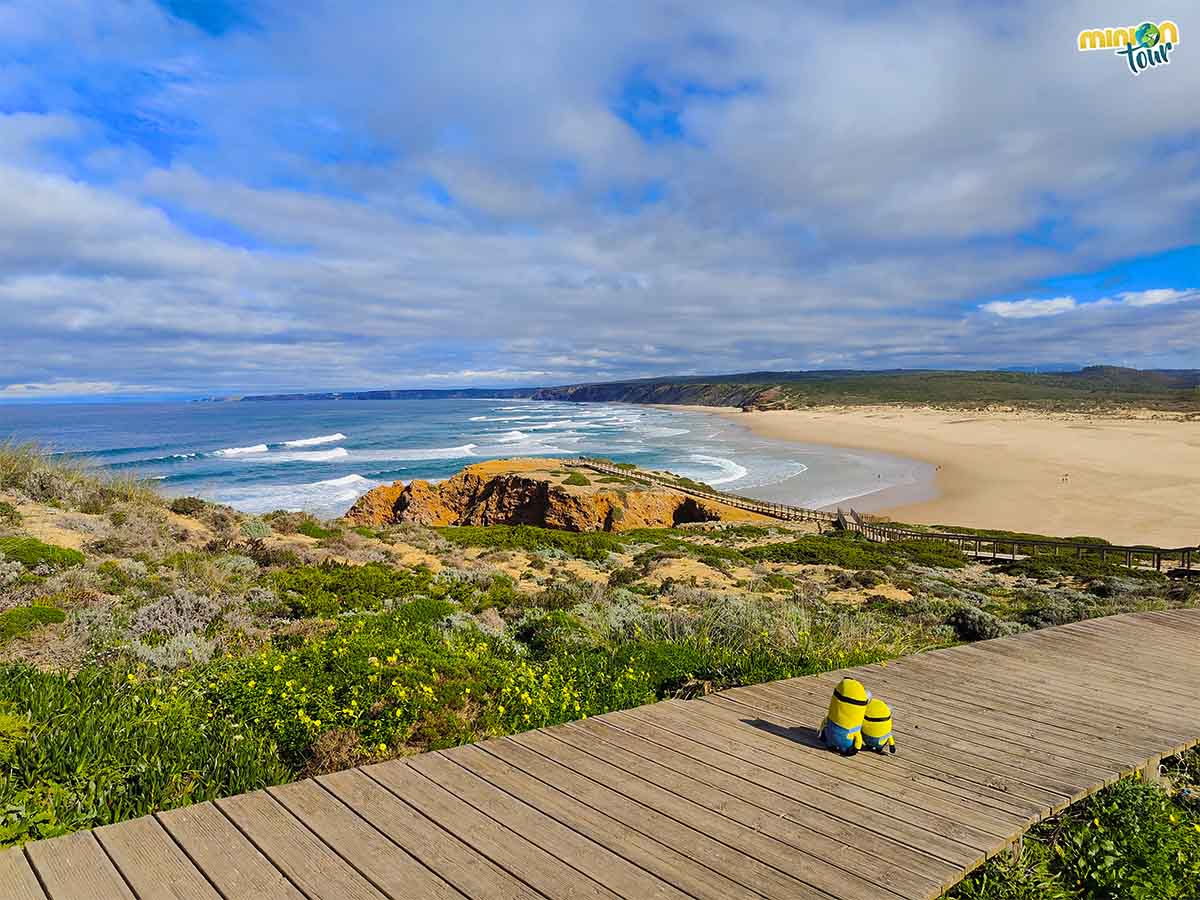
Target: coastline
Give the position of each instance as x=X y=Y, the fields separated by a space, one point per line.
x=1132 y=479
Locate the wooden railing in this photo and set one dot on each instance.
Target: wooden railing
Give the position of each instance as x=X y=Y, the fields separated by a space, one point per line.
x=1179 y=560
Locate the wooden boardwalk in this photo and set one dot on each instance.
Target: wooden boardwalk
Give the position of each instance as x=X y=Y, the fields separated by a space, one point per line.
x=725 y=797
x=1178 y=562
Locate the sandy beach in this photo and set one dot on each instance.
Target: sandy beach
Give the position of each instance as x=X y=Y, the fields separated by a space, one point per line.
x=1129 y=480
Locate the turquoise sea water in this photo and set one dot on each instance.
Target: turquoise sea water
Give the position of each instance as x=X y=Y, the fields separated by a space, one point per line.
x=321 y=455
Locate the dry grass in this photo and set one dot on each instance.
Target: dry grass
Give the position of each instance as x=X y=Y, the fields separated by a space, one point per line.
x=34 y=472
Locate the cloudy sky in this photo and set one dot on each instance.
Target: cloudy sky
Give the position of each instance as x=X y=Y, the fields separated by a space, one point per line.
x=218 y=196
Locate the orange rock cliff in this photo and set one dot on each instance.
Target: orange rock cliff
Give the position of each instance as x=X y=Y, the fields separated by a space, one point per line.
x=534 y=492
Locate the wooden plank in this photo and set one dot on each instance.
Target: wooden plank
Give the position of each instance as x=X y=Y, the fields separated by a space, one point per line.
x=592 y=859
x=1074 y=715
x=294 y=850
x=845 y=856
x=19 y=880
x=790 y=780
x=391 y=869
x=439 y=850
x=222 y=853
x=152 y=863
x=1022 y=763
x=888 y=853
x=639 y=848
x=1014 y=691
x=909 y=802
x=800 y=744
x=701 y=849
x=541 y=870
x=810 y=708
x=957 y=715
x=782 y=871
x=75 y=867
x=1002 y=791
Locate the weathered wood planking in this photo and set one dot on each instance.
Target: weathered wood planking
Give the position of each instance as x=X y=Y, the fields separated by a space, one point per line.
x=727 y=797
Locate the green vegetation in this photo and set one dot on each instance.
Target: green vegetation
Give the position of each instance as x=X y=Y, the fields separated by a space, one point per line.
x=854 y=552
x=23 y=619
x=55 y=479
x=1133 y=841
x=1092 y=388
x=591 y=546
x=9 y=515
x=186 y=663
x=577 y=479
x=103 y=745
x=31 y=553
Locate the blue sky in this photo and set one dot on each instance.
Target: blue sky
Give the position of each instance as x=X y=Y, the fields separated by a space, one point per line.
x=226 y=196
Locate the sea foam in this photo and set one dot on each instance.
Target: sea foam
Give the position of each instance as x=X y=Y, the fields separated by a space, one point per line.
x=241 y=451
x=314 y=441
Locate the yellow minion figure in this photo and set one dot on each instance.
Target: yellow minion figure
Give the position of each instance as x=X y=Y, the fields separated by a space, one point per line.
x=877 y=727
x=843 y=725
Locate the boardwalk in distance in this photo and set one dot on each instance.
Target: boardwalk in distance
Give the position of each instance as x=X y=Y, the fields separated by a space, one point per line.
x=726 y=797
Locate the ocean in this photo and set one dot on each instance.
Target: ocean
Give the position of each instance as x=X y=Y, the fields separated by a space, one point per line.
x=321 y=455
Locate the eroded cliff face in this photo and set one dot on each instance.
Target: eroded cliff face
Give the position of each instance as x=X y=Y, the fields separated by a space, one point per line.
x=481 y=495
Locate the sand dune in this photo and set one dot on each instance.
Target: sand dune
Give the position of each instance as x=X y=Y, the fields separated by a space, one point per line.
x=1133 y=479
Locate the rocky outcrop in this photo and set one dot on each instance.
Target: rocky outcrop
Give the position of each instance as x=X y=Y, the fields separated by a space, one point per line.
x=480 y=495
x=376 y=507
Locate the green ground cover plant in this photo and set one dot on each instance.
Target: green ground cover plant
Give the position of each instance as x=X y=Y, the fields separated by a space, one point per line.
x=854 y=552
x=31 y=553
x=1131 y=841
x=591 y=546
x=577 y=479
x=23 y=619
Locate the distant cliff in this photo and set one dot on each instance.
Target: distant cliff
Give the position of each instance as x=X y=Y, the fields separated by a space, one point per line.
x=1091 y=387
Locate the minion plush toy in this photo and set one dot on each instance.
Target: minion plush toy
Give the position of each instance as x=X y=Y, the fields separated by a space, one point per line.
x=877 y=727
x=843 y=725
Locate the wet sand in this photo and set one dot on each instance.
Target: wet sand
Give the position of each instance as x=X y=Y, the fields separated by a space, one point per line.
x=1130 y=479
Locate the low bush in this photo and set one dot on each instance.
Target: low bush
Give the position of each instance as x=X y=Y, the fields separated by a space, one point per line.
x=57 y=479
x=187 y=506
x=577 y=479
x=1131 y=841
x=23 y=619
x=594 y=546
x=104 y=745
x=9 y=515
x=853 y=552
x=1052 y=568
x=333 y=588
x=31 y=553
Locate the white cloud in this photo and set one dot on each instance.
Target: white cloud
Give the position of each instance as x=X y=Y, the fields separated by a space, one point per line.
x=1030 y=309
x=1155 y=297
x=73 y=389
x=264 y=210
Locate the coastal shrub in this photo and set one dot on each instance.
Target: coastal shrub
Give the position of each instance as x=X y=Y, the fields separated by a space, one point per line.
x=187 y=506
x=23 y=619
x=1133 y=841
x=578 y=479
x=594 y=546
x=853 y=552
x=31 y=553
x=399 y=681
x=973 y=624
x=107 y=744
x=9 y=515
x=311 y=528
x=1051 y=568
x=255 y=530
x=56 y=479
x=180 y=613
x=332 y=588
